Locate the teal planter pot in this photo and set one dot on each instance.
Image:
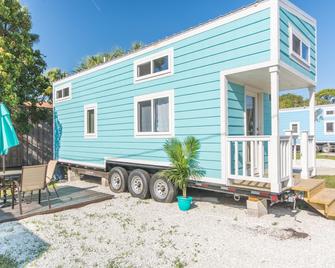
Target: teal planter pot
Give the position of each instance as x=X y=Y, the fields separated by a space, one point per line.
x=184 y=204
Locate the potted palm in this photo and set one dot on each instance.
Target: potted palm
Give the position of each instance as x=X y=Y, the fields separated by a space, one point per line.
x=184 y=165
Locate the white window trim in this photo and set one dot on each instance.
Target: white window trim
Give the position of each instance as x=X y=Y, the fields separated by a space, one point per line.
x=168 y=52
x=69 y=85
x=163 y=94
x=298 y=126
x=298 y=58
x=328 y=109
x=325 y=128
x=94 y=107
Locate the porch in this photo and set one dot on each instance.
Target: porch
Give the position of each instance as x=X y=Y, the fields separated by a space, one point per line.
x=255 y=155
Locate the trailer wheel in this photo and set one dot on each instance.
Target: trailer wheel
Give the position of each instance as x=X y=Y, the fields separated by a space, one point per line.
x=317 y=148
x=118 y=178
x=161 y=189
x=138 y=183
x=326 y=148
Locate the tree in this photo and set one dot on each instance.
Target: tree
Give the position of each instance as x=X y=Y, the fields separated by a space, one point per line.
x=184 y=160
x=136 y=46
x=53 y=75
x=290 y=100
x=21 y=65
x=325 y=96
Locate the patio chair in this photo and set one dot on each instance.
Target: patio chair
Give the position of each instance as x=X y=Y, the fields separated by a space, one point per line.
x=50 y=174
x=33 y=178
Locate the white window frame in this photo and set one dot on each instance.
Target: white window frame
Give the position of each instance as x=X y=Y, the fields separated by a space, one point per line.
x=69 y=85
x=152 y=134
x=328 y=109
x=298 y=58
x=92 y=106
x=168 y=52
x=325 y=128
x=298 y=127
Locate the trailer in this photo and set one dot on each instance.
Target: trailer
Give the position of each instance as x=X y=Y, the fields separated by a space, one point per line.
x=219 y=81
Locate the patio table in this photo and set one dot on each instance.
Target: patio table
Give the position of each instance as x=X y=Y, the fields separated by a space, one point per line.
x=9 y=177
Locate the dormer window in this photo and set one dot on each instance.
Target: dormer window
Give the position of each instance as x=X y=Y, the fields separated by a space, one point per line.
x=154 y=66
x=299 y=47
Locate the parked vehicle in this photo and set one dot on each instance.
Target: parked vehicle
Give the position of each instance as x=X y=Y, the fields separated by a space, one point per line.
x=297 y=120
x=219 y=82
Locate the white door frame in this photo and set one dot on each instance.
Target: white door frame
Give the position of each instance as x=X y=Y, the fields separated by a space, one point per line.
x=252 y=93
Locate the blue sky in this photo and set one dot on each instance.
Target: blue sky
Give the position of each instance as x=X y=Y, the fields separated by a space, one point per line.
x=71 y=29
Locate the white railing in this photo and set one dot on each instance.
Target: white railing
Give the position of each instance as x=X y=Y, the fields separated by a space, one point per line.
x=286 y=158
x=248 y=158
x=308 y=155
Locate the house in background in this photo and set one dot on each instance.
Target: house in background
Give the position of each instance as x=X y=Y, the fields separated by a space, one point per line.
x=297 y=120
x=219 y=81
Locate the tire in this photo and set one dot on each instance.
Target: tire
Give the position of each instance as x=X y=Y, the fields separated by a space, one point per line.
x=317 y=148
x=138 y=183
x=161 y=189
x=326 y=148
x=118 y=180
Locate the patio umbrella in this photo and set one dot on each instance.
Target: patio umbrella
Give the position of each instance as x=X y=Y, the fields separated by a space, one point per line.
x=8 y=136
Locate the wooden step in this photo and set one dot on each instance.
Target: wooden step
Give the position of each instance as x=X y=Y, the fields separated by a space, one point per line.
x=325 y=196
x=331 y=211
x=307 y=185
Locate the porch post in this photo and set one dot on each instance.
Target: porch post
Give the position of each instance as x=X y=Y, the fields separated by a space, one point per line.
x=274 y=168
x=312 y=127
x=224 y=128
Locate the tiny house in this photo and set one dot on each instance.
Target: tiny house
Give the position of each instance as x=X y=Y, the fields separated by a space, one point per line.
x=297 y=121
x=219 y=81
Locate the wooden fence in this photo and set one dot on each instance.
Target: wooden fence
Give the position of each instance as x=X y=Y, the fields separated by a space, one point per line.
x=35 y=148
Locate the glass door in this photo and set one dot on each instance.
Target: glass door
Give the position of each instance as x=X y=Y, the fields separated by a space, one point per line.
x=250 y=113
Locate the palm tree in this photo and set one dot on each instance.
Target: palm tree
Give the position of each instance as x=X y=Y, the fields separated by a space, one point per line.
x=184 y=160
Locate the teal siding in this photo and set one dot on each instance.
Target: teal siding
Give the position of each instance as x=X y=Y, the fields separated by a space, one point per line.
x=236 y=99
x=307 y=30
x=198 y=61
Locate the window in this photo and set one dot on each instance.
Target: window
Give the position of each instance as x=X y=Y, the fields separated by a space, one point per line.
x=90 y=123
x=63 y=93
x=157 y=65
x=295 y=128
x=329 y=112
x=330 y=127
x=154 y=115
x=299 y=47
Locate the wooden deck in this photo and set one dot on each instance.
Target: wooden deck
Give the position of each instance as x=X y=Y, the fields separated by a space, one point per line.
x=69 y=197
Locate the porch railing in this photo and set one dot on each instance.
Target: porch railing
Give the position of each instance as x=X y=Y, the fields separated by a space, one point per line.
x=248 y=158
x=308 y=155
x=286 y=164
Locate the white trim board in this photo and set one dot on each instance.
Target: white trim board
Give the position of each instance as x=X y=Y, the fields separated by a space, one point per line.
x=81 y=163
x=135 y=161
x=240 y=13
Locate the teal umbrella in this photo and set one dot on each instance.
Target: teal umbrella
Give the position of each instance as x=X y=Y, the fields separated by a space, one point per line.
x=8 y=136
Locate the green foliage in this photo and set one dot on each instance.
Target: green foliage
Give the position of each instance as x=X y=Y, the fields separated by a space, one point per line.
x=136 y=46
x=53 y=75
x=7 y=262
x=325 y=96
x=21 y=66
x=290 y=100
x=184 y=160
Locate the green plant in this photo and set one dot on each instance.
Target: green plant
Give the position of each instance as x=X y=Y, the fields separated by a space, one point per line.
x=184 y=160
x=7 y=262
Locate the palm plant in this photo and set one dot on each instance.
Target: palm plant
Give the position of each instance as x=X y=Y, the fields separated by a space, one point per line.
x=184 y=160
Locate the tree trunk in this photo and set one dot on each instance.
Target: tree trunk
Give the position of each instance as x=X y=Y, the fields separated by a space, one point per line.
x=184 y=192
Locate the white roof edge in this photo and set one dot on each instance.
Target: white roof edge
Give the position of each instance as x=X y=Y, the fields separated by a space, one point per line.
x=293 y=109
x=229 y=17
x=298 y=11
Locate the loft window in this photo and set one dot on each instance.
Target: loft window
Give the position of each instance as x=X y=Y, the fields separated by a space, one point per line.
x=295 y=128
x=63 y=93
x=157 y=65
x=90 y=120
x=154 y=115
x=329 y=112
x=299 y=47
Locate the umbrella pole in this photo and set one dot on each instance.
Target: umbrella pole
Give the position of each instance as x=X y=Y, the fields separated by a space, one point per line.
x=4 y=169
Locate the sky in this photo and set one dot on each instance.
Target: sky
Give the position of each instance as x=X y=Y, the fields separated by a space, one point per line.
x=69 y=30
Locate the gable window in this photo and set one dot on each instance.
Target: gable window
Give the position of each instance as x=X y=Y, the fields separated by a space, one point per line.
x=90 y=120
x=295 y=128
x=63 y=93
x=154 y=114
x=154 y=66
x=299 y=47
x=330 y=127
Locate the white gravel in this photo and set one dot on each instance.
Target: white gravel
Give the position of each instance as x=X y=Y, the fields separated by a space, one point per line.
x=128 y=232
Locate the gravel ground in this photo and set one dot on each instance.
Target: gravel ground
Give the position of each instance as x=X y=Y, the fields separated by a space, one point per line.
x=128 y=232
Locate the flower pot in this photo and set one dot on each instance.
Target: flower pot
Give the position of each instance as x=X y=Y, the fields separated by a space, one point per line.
x=184 y=203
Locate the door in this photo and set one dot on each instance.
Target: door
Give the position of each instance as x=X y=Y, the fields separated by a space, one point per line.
x=251 y=120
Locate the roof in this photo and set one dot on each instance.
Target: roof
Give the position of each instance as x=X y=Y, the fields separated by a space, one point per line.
x=45 y=104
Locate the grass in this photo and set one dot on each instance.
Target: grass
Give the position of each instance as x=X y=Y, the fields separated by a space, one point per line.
x=325 y=156
x=330 y=180
x=7 y=262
